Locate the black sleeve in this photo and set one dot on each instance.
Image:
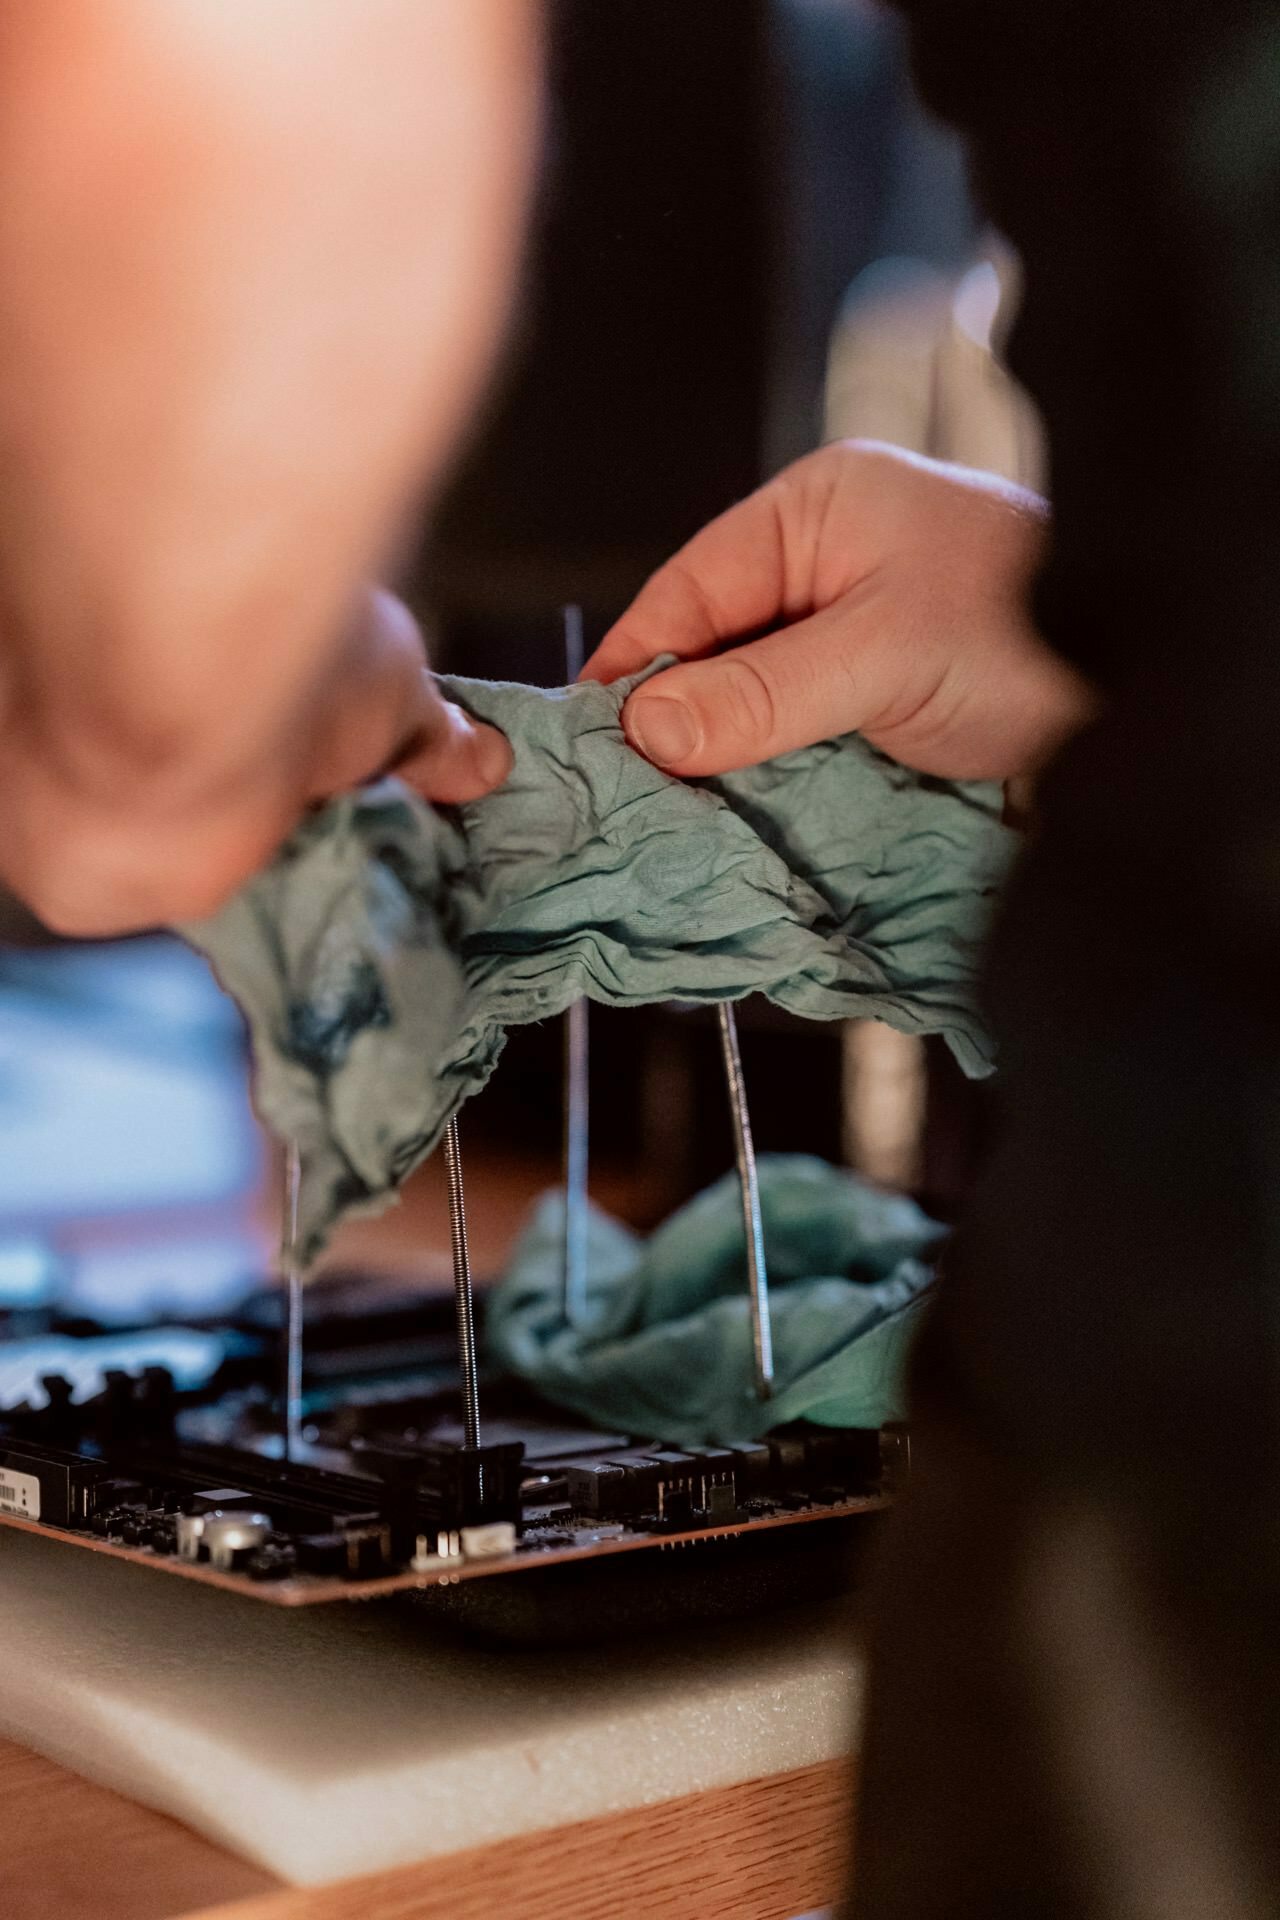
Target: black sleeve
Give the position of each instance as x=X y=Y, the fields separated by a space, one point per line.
x=1130 y=1220
x=1098 y=1391
x=1106 y=1343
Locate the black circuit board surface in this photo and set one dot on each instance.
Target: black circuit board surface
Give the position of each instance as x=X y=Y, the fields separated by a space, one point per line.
x=296 y=1534
x=382 y=1495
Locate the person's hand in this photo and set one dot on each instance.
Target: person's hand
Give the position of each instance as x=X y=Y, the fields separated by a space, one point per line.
x=103 y=840
x=385 y=714
x=892 y=595
x=256 y=263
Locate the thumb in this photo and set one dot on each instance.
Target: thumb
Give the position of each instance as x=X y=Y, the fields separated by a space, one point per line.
x=385 y=714
x=450 y=757
x=787 y=690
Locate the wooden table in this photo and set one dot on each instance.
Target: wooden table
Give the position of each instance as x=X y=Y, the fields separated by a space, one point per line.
x=767 y=1850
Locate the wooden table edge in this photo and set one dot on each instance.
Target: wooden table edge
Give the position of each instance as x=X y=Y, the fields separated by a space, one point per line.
x=765 y=1849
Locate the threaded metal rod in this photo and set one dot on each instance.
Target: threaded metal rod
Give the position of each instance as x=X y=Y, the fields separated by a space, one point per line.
x=292 y=1274
x=464 y=1298
x=577 y=1084
x=577 y=1115
x=753 y=1223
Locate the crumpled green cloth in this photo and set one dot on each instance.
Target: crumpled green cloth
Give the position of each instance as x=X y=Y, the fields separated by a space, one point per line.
x=663 y=1345
x=382 y=955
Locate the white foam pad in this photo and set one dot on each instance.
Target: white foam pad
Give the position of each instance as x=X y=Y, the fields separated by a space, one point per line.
x=330 y=1741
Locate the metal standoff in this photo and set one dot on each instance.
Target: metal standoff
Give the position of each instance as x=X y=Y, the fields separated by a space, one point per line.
x=463 y=1296
x=753 y=1224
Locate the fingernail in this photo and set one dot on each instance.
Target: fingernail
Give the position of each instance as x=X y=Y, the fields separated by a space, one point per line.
x=665 y=731
x=494 y=755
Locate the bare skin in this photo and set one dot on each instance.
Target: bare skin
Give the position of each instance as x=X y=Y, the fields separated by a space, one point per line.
x=257 y=264
x=862 y=590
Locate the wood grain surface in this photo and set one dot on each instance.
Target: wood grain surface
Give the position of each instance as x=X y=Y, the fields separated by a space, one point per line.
x=767 y=1850
x=72 y=1851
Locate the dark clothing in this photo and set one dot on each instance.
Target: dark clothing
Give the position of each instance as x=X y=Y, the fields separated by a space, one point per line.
x=1076 y=1677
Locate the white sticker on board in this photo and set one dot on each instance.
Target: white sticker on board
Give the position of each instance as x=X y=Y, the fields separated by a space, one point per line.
x=19 y=1494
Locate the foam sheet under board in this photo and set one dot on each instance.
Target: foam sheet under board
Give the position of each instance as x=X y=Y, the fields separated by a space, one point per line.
x=328 y=1742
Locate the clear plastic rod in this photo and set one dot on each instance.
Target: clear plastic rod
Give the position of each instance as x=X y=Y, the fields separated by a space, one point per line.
x=753 y=1223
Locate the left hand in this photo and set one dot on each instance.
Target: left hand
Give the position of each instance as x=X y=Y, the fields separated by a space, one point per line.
x=256 y=260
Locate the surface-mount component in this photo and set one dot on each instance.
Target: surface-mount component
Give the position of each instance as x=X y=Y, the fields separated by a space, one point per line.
x=395 y=1509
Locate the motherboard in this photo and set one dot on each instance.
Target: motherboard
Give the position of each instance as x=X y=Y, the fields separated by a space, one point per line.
x=382 y=1491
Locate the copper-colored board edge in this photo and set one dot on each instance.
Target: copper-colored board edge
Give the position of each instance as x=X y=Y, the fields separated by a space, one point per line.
x=316 y=1589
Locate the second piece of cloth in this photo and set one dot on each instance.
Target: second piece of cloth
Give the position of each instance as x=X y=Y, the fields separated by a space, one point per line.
x=663 y=1343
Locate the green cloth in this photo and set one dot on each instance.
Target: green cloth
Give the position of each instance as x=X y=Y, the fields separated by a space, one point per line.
x=663 y=1348
x=383 y=954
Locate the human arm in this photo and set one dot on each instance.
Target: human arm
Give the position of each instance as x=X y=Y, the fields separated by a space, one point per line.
x=256 y=263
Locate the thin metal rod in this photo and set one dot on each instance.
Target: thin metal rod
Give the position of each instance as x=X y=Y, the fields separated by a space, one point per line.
x=753 y=1224
x=462 y=1291
x=291 y=1271
x=574 y=655
x=577 y=1083
x=577 y=1121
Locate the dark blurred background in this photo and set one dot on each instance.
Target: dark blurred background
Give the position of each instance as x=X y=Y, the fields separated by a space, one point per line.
x=716 y=177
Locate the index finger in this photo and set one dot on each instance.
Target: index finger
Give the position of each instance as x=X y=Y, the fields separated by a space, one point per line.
x=746 y=570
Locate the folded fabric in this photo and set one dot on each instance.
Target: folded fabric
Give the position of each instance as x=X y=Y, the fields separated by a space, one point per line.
x=381 y=957
x=662 y=1347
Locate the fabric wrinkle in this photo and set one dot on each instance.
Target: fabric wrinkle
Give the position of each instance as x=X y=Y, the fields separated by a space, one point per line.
x=399 y=942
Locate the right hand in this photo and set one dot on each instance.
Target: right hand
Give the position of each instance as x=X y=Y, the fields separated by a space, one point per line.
x=893 y=595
